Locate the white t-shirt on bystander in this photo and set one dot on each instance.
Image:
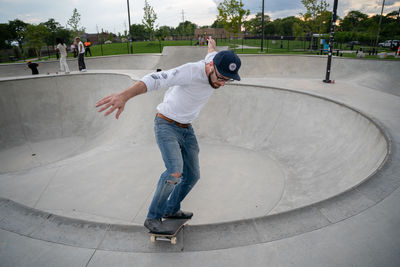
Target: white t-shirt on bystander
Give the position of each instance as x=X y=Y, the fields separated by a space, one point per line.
x=81 y=48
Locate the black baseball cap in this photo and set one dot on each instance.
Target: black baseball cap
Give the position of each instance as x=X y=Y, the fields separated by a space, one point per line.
x=228 y=64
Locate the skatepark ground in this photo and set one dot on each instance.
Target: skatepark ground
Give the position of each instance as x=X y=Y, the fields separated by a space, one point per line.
x=294 y=171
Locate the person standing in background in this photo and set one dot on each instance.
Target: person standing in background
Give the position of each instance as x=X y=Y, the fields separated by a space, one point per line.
x=81 y=55
x=62 y=48
x=73 y=48
x=87 y=48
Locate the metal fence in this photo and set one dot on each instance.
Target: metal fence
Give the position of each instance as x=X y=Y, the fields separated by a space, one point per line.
x=271 y=44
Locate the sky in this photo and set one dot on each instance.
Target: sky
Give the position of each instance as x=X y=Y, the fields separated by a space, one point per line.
x=112 y=15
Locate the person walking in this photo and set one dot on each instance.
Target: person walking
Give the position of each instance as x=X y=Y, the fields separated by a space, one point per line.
x=62 y=48
x=81 y=55
x=190 y=87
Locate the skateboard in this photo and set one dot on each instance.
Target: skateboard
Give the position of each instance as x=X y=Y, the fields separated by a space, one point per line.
x=169 y=231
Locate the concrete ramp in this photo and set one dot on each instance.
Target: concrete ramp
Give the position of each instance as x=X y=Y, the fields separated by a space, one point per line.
x=171 y=56
x=174 y=56
x=263 y=150
x=119 y=62
x=375 y=74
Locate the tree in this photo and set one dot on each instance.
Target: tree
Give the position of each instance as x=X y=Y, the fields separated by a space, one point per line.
x=35 y=36
x=52 y=27
x=138 y=32
x=64 y=34
x=325 y=21
x=74 y=21
x=232 y=15
x=5 y=36
x=390 y=27
x=313 y=17
x=164 y=31
x=217 y=24
x=354 y=21
x=149 y=18
x=17 y=30
x=270 y=28
x=110 y=37
x=254 y=25
x=298 y=30
x=185 y=28
x=287 y=25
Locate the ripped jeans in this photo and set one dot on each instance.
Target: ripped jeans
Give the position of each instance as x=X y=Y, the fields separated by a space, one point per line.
x=179 y=150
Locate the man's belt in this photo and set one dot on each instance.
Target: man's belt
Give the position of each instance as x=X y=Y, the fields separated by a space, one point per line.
x=182 y=125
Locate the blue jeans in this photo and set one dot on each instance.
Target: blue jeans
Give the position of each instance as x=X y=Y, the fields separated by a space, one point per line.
x=81 y=62
x=179 y=150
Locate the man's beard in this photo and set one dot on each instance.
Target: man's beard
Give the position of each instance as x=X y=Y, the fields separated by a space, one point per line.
x=211 y=83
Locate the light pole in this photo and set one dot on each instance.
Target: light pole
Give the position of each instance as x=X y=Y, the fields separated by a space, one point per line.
x=328 y=67
x=380 y=22
x=262 y=27
x=129 y=21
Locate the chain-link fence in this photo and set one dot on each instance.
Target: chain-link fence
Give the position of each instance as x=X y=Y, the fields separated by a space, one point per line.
x=247 y=44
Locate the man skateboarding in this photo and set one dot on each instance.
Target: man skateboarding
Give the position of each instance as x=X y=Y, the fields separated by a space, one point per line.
x=190 y=87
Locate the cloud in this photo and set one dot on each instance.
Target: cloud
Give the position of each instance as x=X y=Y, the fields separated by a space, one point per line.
x=255 y=6
x=367 y=7
x=388 y=2
x=111 y=15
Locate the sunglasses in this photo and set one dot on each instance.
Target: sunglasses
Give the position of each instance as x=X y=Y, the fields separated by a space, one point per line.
x=222 y=79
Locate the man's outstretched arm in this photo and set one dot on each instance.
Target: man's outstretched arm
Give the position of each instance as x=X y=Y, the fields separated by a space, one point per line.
x=118 y=101
x=211 y=45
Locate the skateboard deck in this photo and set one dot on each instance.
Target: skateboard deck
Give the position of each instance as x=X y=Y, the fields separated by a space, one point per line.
x=169 y=231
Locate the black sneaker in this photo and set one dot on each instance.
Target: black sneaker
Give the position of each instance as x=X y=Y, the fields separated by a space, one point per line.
x=154 y=225
x=179 y=215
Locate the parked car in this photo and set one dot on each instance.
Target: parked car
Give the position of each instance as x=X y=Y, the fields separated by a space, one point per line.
x=353 y=43
x=389 y=43
x=108 y=42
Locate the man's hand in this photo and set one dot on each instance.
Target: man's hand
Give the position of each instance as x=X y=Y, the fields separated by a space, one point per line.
x=118 y=101
x=112 y=102
x=211 y=45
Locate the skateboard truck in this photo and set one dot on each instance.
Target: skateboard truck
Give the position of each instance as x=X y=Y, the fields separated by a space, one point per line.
x=169 y=231
x=156 y=237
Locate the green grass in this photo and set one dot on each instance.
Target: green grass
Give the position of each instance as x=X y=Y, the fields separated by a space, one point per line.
x=273 y=44
x=138 y=47
x=252 y=46
x=294 y=47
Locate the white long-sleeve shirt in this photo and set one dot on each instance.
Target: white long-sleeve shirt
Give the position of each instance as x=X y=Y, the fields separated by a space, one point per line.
x=63 y=49
x=188 y=89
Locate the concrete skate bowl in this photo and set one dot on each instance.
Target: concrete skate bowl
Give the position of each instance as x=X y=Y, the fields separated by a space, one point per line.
x=171 y=56
x=374 y=74
x=264 y=151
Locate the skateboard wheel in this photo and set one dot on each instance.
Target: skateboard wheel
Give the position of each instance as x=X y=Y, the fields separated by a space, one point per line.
x=173 y=241
x=153 y=239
